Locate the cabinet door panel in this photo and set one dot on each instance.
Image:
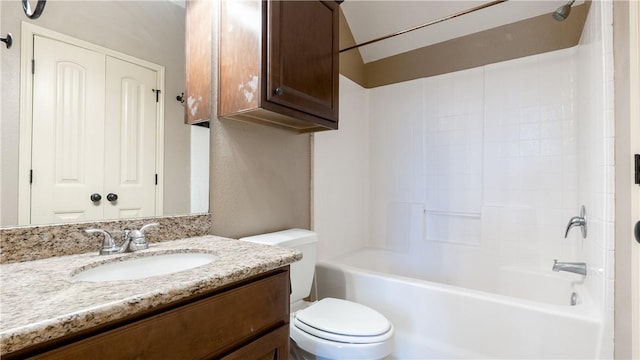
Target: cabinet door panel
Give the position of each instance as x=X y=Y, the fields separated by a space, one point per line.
x=300 y=76
x=198 y=50
x=240 y=45
x=273 y=346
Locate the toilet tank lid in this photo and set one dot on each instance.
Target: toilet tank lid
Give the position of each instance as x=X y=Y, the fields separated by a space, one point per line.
x=285 y=238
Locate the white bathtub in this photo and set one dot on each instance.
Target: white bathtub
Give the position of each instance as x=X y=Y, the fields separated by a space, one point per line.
x=513 y=314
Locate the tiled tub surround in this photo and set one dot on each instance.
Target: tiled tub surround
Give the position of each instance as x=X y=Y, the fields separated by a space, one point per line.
x=491 y=161
x=28 y=243
x=41 y=302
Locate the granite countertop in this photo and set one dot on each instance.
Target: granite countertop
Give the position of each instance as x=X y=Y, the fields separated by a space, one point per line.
x=40 y=301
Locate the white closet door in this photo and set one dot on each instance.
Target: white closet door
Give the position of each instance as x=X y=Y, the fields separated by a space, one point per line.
x=68 y=128
x=130 y=140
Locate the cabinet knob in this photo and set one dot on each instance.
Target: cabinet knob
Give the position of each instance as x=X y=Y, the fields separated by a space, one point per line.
x=95 y=197
x=112 y=197
x=278 y=91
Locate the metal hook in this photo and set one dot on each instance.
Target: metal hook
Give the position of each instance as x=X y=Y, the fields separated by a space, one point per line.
x=7 y=40
x=26 y=6
x=180 y=98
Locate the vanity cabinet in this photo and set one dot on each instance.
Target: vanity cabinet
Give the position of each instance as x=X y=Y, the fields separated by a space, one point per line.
x=248 y=320
x=278 y=63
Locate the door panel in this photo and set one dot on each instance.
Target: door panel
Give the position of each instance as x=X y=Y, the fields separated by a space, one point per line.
x=68 y=123
x=130 y=139
x=306 y=78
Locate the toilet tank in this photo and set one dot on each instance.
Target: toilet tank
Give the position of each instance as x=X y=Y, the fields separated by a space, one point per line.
x=302 y=271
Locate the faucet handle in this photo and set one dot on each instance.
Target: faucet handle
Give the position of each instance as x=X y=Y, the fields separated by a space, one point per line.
x=145 y=227
x=137 y=238
x=108 y=244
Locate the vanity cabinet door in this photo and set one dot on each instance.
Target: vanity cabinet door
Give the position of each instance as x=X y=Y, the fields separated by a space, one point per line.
x=205 y=329
x=273 y=346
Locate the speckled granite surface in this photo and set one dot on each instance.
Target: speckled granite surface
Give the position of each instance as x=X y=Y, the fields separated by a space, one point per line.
x=28 y=243
x=40 y=301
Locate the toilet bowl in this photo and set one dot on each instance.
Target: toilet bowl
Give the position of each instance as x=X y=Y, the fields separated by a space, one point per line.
x=329 y=328
x=340 y=329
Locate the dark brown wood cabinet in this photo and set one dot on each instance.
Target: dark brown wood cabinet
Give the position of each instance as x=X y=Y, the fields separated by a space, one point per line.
x=198 y=52
x=246 y=321
x=278 y=63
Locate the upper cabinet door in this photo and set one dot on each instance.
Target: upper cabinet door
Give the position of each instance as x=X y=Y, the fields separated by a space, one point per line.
x=198 y=50
x=278 y=63
x=302 y=61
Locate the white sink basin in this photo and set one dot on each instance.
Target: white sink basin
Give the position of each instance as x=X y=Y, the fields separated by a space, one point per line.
x=144 y=267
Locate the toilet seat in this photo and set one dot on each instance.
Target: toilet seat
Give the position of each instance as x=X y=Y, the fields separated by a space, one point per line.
x=341 y=329
x=343 y=321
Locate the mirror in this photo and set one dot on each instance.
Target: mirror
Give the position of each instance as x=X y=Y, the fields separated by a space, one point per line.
x=148 y=30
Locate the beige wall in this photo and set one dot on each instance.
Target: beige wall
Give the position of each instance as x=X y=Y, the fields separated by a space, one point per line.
x=523 y=38
x=150 y=30
x=260 y=179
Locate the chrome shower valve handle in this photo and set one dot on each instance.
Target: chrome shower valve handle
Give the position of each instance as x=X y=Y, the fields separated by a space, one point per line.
x=578 y=221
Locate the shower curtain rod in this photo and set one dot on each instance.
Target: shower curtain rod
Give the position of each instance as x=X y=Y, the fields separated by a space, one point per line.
x=449 y=17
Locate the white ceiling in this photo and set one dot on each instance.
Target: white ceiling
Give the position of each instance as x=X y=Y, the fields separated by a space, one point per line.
x=370 y=19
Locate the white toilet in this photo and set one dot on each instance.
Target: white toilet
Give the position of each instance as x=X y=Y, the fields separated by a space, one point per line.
x=330 y=328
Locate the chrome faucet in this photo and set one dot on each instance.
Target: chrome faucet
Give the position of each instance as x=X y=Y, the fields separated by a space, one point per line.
x=134 y=240
x=580 y=220
x=108 y=245
x=574 y=267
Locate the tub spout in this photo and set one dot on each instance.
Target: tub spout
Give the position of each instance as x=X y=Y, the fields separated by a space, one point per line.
x=575 y=267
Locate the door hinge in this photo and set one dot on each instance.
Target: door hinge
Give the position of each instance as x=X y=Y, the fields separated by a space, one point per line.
x=31 y=176
x=157 y=91
x=33 y=66
x=637 y=169
x=156 y=179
